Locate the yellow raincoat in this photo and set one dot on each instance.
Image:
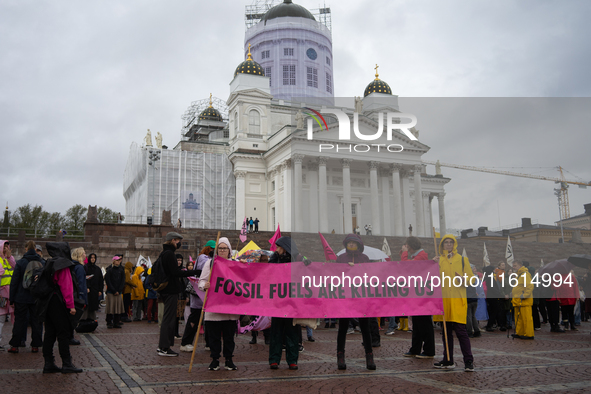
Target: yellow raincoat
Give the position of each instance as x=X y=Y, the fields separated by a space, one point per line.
x=137 y=293
x=523 y=301
x=455 y=305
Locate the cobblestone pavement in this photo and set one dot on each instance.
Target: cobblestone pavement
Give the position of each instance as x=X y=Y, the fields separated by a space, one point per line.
x=125 y=361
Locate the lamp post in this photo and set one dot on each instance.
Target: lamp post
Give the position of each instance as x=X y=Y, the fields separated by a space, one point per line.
x=153 y=159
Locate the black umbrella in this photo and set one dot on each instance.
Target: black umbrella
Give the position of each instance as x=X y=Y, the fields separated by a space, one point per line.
x=562 y=267
x=581 y=260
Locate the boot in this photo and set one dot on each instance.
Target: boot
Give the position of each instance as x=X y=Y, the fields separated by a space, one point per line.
x=50 y=366
x=369 y=361
x=556 y=328
x=341 y=361
x=68 y=367
x=253 y=341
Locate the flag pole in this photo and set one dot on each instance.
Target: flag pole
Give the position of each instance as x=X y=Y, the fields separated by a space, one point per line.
x=444 y=323
x=203 y=309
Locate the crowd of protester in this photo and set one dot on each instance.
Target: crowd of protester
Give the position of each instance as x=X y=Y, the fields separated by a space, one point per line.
x=79 y=288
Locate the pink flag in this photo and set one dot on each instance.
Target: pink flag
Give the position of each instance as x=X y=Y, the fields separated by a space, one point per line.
x=275 y=237
x=328 y=252
x=243 y=230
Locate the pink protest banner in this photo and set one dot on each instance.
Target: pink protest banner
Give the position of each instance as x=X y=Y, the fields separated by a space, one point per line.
x=392 y=288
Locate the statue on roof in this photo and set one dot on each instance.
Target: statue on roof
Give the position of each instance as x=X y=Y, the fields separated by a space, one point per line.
x=358 y=105
x=438 y=168
x=158 y=140
x=299 y=120
x=148 y=138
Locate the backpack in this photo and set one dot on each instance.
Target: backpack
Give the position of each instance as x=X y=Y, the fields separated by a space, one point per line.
x=28 y=276
x=41 y=284
x=158 y=279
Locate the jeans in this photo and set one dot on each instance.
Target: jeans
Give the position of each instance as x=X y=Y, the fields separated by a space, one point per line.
x=137 y=309
x=309 y=332
x=392 y=323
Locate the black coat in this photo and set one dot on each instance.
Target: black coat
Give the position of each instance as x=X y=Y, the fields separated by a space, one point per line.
x=95 y=285
x=173 y=271
x=18 y=293
x=115 y=279
x=60 y=259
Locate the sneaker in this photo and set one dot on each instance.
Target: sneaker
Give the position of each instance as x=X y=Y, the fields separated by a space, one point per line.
x=423 y=355
x=109 y=326
x=34 y=350
x=477 y=334
x=13 y=350
x=390 y=332
x=293 y=367
x=178 y=337
x=301 y=349
x=409 y=354
x=444 y=365
x=215 y=365
x=207 y=347
x=327 y=325
x=230 y=365
x=274 y=366
x=489 y=329
x=350 y=331
x=537 y=328
x=187 y=348
x=469 y=366
x=311 y=339
x=167 y=353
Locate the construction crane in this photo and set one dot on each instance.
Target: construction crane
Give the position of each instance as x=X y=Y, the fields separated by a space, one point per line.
x=562 y=192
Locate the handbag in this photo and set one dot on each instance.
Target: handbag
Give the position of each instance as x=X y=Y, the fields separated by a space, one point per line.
x=3 y=302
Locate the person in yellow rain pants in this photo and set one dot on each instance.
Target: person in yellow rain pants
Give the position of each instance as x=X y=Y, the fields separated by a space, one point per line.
x=522 y=301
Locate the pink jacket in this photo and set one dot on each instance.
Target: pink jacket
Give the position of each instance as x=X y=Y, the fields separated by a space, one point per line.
x=63 y=278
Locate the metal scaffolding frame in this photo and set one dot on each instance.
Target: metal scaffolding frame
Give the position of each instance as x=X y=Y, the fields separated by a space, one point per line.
x=255 y=12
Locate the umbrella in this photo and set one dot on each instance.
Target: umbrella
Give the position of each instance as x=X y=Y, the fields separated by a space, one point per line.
x=253 y=256
x=373 y=253
x=562 y=267
x=581 y=260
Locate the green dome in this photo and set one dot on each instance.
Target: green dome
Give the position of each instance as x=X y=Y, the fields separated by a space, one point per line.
x=287 y=8
x=210 y=113
x=249 y=66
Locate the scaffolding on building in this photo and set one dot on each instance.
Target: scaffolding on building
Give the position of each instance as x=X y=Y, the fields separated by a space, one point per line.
x=191 y=115
x=198 y=188
x=255 y=12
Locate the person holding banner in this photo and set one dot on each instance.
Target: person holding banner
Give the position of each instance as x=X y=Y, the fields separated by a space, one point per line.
x=219 y=324
x=451 y=267
x=423 y=335
x=286 y=252
x=354 y=254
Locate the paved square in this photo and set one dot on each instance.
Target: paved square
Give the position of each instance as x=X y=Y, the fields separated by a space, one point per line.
x=125 y=361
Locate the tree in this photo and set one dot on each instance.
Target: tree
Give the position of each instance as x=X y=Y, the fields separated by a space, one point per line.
x=75 y=217
x=106 y=215
x=28 y=218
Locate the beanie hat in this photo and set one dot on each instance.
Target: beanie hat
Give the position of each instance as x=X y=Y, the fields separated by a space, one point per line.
x=225 y=241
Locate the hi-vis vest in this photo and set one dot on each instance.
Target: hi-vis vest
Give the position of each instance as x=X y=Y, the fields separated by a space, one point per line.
x=7 y=275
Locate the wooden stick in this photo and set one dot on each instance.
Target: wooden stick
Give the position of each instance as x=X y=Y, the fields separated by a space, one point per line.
x=444 y=323
x=215 y=252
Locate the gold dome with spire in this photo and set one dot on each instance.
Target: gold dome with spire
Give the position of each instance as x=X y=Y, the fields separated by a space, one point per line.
x=377 y=86
x=249 y=66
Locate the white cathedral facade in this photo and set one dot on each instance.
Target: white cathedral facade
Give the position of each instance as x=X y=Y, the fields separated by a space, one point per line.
x=274 y=166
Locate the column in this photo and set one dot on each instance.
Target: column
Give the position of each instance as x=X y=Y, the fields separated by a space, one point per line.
x=427 y=214
x=240 y=198
x=313 y=211
x=278 y=199
x=287 y=207
x=407 y=212
x=323 y=194
x=347 y=195
x=397 y=215
x=420 y=229
x=375 y=198
x=297 y=173
x=442 y=228
x=387 y=229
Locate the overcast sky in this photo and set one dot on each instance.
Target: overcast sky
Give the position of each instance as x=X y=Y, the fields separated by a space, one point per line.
x=80 y=81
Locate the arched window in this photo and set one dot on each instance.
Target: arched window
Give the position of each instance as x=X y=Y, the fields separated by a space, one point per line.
x=236 y=122
x=254 y=122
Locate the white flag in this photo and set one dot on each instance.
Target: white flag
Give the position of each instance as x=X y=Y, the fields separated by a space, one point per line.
x=141 y=260
x=464 y=255
x=485 y=258
x=509 y=252
x=541 y=262
x=149 y=264
x=386 y=248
